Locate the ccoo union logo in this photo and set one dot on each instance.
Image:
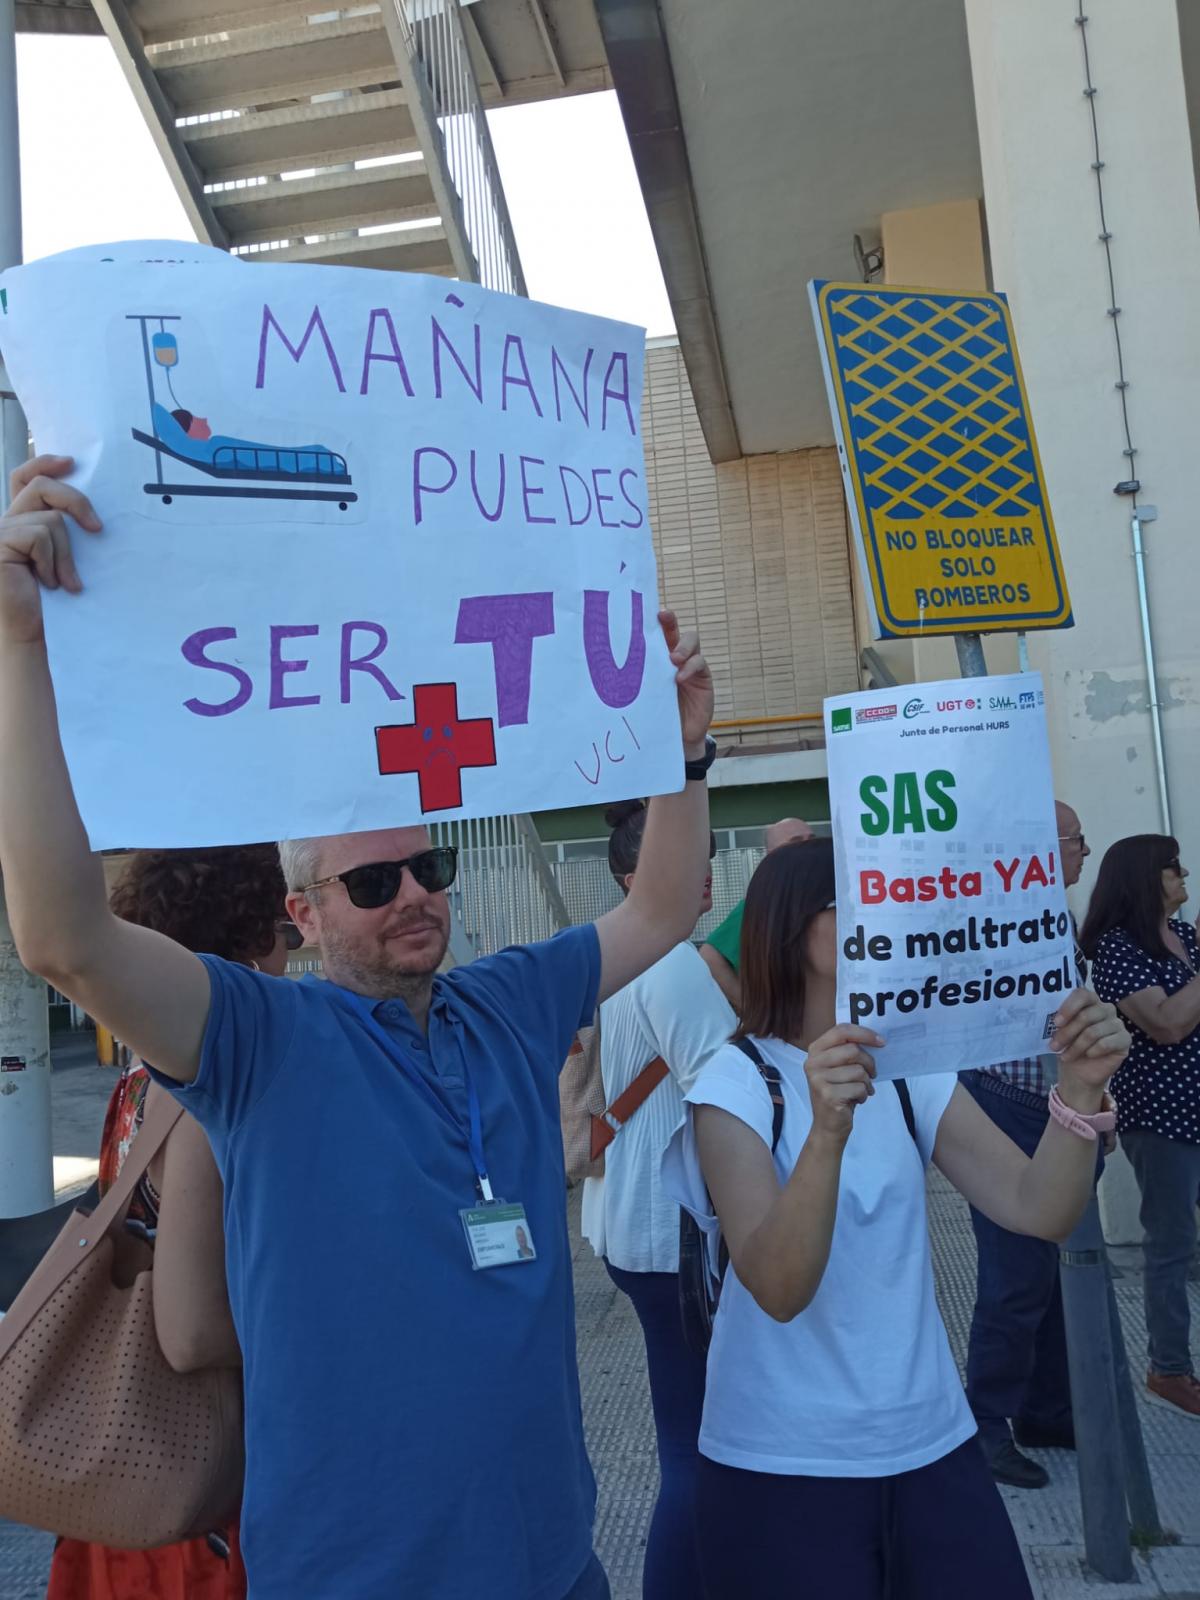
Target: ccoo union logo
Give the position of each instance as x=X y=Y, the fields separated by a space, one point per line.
x=875 y=714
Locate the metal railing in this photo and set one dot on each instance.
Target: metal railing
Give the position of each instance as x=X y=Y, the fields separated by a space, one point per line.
x=432 y=36
x=506 y=891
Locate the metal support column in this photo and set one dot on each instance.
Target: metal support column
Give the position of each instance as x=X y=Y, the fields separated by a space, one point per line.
x=26 y=1146
x=1114 y=1478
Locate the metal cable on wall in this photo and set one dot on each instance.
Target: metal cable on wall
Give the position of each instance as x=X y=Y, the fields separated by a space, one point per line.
x=1130 y=483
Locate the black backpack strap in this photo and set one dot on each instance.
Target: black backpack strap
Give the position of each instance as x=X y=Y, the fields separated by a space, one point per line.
x=906 y=1105
x=770 y=1076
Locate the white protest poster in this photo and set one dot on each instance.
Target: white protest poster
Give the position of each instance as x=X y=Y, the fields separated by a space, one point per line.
x=376 y=547
x=954 y=940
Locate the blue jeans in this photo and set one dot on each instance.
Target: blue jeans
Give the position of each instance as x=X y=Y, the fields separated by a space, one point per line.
x=670 y=1571
x=939 y=1533
x=1168 y=1174
x=592 y=1584
x=1017 y=1352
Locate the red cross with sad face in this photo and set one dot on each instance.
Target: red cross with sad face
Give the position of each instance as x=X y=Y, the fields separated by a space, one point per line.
x=437 y=746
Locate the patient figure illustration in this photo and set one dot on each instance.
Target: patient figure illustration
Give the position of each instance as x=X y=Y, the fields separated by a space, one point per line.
x=249 y=467
x=195 y=427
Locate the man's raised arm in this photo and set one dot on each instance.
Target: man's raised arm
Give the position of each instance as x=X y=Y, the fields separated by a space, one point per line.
x=148 y=990
x=664 y=899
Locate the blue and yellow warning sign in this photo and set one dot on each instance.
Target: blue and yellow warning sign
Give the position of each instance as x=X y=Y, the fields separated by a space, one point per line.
x=942 y=473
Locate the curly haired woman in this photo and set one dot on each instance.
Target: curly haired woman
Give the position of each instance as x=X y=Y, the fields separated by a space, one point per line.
x=227 y=902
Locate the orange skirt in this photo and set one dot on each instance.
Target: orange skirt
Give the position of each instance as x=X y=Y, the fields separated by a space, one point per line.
x=188 y=1571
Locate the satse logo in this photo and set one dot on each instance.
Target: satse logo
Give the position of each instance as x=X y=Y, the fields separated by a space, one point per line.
x=841 y=720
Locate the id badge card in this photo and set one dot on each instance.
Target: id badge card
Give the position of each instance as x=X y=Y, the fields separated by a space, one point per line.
x=498 y=1234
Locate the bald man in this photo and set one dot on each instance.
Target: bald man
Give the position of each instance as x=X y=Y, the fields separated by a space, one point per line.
x=721 y=949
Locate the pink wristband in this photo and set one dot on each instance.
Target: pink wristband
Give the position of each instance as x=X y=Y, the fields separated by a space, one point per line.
x=1103 y=1121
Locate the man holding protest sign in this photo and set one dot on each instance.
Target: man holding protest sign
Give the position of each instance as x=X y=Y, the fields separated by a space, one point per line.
x=412 y=1401
x=1017 y=1355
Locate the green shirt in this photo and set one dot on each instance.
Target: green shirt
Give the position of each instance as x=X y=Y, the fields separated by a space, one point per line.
x=726 y=939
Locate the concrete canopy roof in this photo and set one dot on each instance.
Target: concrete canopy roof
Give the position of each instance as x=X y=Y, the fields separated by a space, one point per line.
x=801 y=121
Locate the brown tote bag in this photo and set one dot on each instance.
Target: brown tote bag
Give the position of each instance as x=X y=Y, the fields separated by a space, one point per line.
x=100 y=1439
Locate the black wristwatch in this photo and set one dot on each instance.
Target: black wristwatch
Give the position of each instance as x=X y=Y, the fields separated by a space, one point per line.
x=697 y=771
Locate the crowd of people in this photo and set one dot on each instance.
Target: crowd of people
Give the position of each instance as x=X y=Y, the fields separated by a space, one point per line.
x=365 y=1207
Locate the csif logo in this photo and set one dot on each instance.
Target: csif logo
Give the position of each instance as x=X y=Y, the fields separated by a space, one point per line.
x=915 y=708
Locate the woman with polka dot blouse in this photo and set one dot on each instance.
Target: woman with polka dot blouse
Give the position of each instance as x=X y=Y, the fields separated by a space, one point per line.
x=1147 y=962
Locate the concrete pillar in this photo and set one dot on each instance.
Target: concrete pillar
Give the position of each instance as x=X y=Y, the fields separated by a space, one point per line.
x=26 y=1146
x=1043 y=228
x=26 y=1160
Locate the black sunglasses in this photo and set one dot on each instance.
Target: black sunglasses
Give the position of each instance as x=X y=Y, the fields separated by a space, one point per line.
x=292 y=937
x=712 y=846
x=378 y=883
x=1174 y=865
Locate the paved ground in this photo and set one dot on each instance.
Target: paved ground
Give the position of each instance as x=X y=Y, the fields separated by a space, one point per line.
x=621 y=1439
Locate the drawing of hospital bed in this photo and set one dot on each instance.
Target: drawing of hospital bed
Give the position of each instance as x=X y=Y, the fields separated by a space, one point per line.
x=244 y=469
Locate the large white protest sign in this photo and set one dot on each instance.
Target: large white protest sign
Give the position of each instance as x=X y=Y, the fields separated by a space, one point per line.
x=954 y=940
x=375 y=547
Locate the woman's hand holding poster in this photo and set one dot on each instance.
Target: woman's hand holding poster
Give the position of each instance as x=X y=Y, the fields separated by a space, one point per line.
x=375 y=547
x=954 y=940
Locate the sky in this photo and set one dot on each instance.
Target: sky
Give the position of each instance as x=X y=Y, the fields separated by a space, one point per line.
x=90 y=173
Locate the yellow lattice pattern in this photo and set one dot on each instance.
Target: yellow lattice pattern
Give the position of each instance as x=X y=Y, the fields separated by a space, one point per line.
x=1002 y=439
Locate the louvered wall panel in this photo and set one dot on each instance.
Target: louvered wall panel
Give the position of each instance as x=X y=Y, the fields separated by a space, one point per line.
x=756 y=551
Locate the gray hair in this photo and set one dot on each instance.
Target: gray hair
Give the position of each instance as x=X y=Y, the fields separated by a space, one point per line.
x=301 y=862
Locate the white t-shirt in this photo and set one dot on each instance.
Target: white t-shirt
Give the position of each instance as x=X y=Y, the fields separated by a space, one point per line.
x=862 y=1383
x=674 y=1010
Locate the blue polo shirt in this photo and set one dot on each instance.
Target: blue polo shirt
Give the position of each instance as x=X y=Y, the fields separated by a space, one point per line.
x=413 y=1426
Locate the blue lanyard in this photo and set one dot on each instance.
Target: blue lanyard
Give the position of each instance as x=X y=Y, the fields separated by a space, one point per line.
x=472 y=1133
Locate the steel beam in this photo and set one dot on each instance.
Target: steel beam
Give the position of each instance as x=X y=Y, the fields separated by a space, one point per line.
x=160 y=119
x=641 y=67
x=547 y=38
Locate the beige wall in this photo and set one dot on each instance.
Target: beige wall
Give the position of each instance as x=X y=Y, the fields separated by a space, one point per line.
x=935 y=247
x=756 y=551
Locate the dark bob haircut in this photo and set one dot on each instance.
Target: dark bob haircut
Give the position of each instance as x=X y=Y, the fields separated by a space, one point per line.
x=1129 y=893
x=791 y=886
x=224 y=902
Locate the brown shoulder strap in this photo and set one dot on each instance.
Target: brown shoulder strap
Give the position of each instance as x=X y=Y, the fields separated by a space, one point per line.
x=89 y=1230
x=639 y=1091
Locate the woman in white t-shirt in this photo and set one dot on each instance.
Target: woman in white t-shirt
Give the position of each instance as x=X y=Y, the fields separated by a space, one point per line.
x=674 y=1011
x=838 y=1453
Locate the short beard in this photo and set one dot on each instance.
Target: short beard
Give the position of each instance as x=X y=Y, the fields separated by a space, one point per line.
x=378 y=980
